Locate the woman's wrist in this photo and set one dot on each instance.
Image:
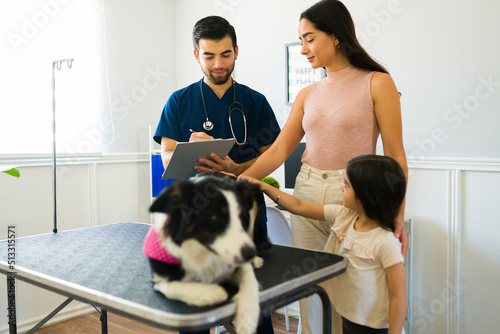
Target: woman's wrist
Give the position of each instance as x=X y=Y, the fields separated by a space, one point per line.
x=277 y=199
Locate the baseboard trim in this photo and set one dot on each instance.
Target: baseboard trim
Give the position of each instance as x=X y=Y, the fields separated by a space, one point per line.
x=67 y=313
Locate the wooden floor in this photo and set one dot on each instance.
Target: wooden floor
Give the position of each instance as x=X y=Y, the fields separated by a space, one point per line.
x=90 y=324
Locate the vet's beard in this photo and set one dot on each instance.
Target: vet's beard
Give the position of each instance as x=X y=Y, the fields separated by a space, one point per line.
x=218 y=80
x=202 y=265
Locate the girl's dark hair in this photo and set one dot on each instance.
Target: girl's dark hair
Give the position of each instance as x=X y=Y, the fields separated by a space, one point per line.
x=380 y=185
x=332 y=17
x=213 y=28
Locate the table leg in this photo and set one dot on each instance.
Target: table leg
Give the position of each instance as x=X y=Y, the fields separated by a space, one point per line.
x=104 y=321
x=327 y=312
x=268 y=307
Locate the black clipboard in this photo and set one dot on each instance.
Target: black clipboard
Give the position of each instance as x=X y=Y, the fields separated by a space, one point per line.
x=186 y=155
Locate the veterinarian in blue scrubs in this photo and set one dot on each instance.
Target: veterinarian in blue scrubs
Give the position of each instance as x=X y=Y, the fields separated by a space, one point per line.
x=184 y=112
x=201 y=110
x=219 y=107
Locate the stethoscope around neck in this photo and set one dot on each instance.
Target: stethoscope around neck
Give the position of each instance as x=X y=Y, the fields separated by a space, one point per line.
x=235 y=106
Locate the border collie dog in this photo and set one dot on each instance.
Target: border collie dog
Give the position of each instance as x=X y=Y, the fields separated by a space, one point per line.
x=208 y=230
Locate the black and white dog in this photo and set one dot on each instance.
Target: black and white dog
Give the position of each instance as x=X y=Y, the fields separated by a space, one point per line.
x=208 y=230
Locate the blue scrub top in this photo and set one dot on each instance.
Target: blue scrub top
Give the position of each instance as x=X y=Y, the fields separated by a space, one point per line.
x=184 y=111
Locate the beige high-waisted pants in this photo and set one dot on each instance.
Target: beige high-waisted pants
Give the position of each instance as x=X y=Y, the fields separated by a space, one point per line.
x=320 y=187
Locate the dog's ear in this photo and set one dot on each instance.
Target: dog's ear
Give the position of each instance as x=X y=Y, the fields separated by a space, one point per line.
x=260 y=237
x=161 y=202
x=252 y=195
x=174 y=205
x=249 y=193
x=176 y=201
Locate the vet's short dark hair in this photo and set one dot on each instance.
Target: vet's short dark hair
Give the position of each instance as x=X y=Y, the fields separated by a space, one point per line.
x=380 y=184
x=213 y=28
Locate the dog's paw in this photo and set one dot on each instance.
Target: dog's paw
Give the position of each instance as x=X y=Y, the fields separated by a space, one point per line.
x=246 y=318
x=197 y=294
x=257 y=262
x=161 y=286
x=247 y=302
x=210 y=294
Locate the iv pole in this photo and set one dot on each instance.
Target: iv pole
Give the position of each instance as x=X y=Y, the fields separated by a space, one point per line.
x=56 y=64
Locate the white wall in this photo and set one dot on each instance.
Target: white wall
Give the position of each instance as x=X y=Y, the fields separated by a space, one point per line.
x=142 y=69
x=439 y=53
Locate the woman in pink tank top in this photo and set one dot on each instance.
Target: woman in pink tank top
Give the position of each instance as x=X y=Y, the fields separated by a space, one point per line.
x=342 y=117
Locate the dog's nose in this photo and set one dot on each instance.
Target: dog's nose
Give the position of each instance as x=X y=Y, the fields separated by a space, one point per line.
x=248 y=253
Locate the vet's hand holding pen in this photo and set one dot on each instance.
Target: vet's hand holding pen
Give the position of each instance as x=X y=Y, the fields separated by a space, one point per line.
x=288 y=202
x=199 y=136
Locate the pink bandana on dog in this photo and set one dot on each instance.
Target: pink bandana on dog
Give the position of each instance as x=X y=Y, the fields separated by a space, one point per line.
x=154 y=249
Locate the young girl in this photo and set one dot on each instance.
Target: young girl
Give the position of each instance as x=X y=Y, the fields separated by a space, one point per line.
x=371 y=294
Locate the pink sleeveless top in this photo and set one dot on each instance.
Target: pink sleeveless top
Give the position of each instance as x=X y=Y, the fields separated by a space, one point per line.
x=153 y=248
x=339 y=119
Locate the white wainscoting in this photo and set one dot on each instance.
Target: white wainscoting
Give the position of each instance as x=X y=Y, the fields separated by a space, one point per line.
x=456 y=234
x=456 y=244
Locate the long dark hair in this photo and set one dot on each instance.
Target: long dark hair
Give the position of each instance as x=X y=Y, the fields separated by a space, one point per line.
x=380 y=185
x=332 y=17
